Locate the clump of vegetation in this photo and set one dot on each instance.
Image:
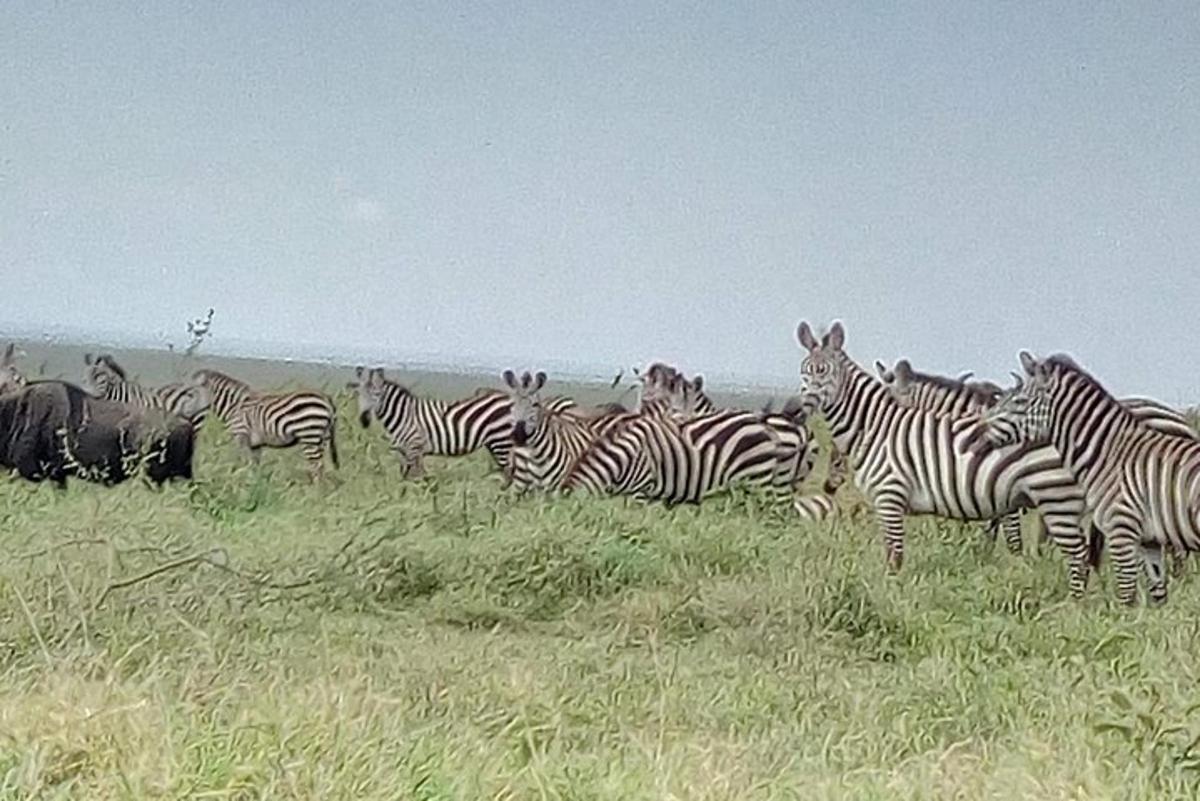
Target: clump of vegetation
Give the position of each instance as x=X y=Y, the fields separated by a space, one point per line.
x=252 y=635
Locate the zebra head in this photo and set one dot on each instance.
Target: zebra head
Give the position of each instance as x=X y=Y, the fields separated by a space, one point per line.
x=1022 y=414
x=10 y=377
x=102 y=374
x=527 y=411
x=656 y=383
x=370 y=387
x=823 y=371
x=685 y=399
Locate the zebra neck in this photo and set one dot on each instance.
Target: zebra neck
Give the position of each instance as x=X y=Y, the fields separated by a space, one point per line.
x=853 y=416
x=1087 y=429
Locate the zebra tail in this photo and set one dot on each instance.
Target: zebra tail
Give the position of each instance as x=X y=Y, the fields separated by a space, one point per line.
x=333 y=454
x=1095 y=547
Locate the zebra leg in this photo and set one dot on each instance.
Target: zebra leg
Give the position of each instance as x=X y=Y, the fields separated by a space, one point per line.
x=1125 y=547
x=1011 y=525
x=313 y=455
x=1065 y=531
x=889 y=513
x=1156 y=573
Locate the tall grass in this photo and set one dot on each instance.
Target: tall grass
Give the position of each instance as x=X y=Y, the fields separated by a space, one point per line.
x=368 y=638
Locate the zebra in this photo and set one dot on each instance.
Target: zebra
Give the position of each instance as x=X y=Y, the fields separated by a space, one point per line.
x=418 y=426
x=662 y=458
x=1142 y=485
x=278 y=420
x=957 y=397
x=961 y=398
x=911 y=461
x=11 y=379
x=546 y=441
x=107 y=380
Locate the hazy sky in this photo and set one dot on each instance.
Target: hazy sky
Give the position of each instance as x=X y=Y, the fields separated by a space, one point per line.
x=609 y=182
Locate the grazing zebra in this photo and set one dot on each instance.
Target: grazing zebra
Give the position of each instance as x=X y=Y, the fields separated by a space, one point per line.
x=661 y=458
x=11 y=379
x=911 y=461
x=280 y=420
x=418 y=426
x=1143 y=486
x=107 y=380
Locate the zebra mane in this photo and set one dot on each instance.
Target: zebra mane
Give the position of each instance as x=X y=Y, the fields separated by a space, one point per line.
x=984 y=390
x=1061 y=362
x=108 y=361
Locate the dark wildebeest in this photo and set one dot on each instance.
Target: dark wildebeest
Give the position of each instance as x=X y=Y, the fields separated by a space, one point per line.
x=52 y=429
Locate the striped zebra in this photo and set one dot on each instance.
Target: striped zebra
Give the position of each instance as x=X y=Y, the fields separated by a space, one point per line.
x=418 y=426
x=961 y=398
x=278 y=420
x=1143 y=486
x=911 y=461
x=546 y=441
x=662 y=458
x=106 y=379
x=11 y=379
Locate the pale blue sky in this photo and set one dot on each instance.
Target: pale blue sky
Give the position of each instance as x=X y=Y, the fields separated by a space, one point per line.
x=609 y=182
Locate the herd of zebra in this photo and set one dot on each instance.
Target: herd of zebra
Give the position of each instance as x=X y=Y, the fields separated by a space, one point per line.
x=1099 y=472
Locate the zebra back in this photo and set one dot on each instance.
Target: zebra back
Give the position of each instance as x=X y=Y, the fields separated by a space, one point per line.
x=683 y=462
x=108 y=380
x=935 y=393
x=1158 y=416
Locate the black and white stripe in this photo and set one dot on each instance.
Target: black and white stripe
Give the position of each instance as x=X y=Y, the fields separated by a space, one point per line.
x=661 y=458
x=911 y=461
x=418 y=426
x=546 y=441
x=279 y=420
x=108 y=380
x=960 y=397
x=1143 y=486
x=225 y=393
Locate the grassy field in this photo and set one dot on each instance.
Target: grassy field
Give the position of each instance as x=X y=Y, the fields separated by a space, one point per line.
x=370 y=639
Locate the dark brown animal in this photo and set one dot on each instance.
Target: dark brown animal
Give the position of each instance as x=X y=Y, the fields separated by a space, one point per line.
x=51 y=429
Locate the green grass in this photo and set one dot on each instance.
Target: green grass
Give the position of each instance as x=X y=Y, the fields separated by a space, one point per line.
x=367 y=638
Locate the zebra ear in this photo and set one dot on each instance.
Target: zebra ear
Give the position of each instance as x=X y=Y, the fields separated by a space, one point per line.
x=358 y=372
x=698 y=383
x=885 y=374
x=804 y=335
x=836 y=338
x=539 y=381
x=510 y=378
x=87 y=358
x=965 y=377
x=1018 y=379
x=1029 y=363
